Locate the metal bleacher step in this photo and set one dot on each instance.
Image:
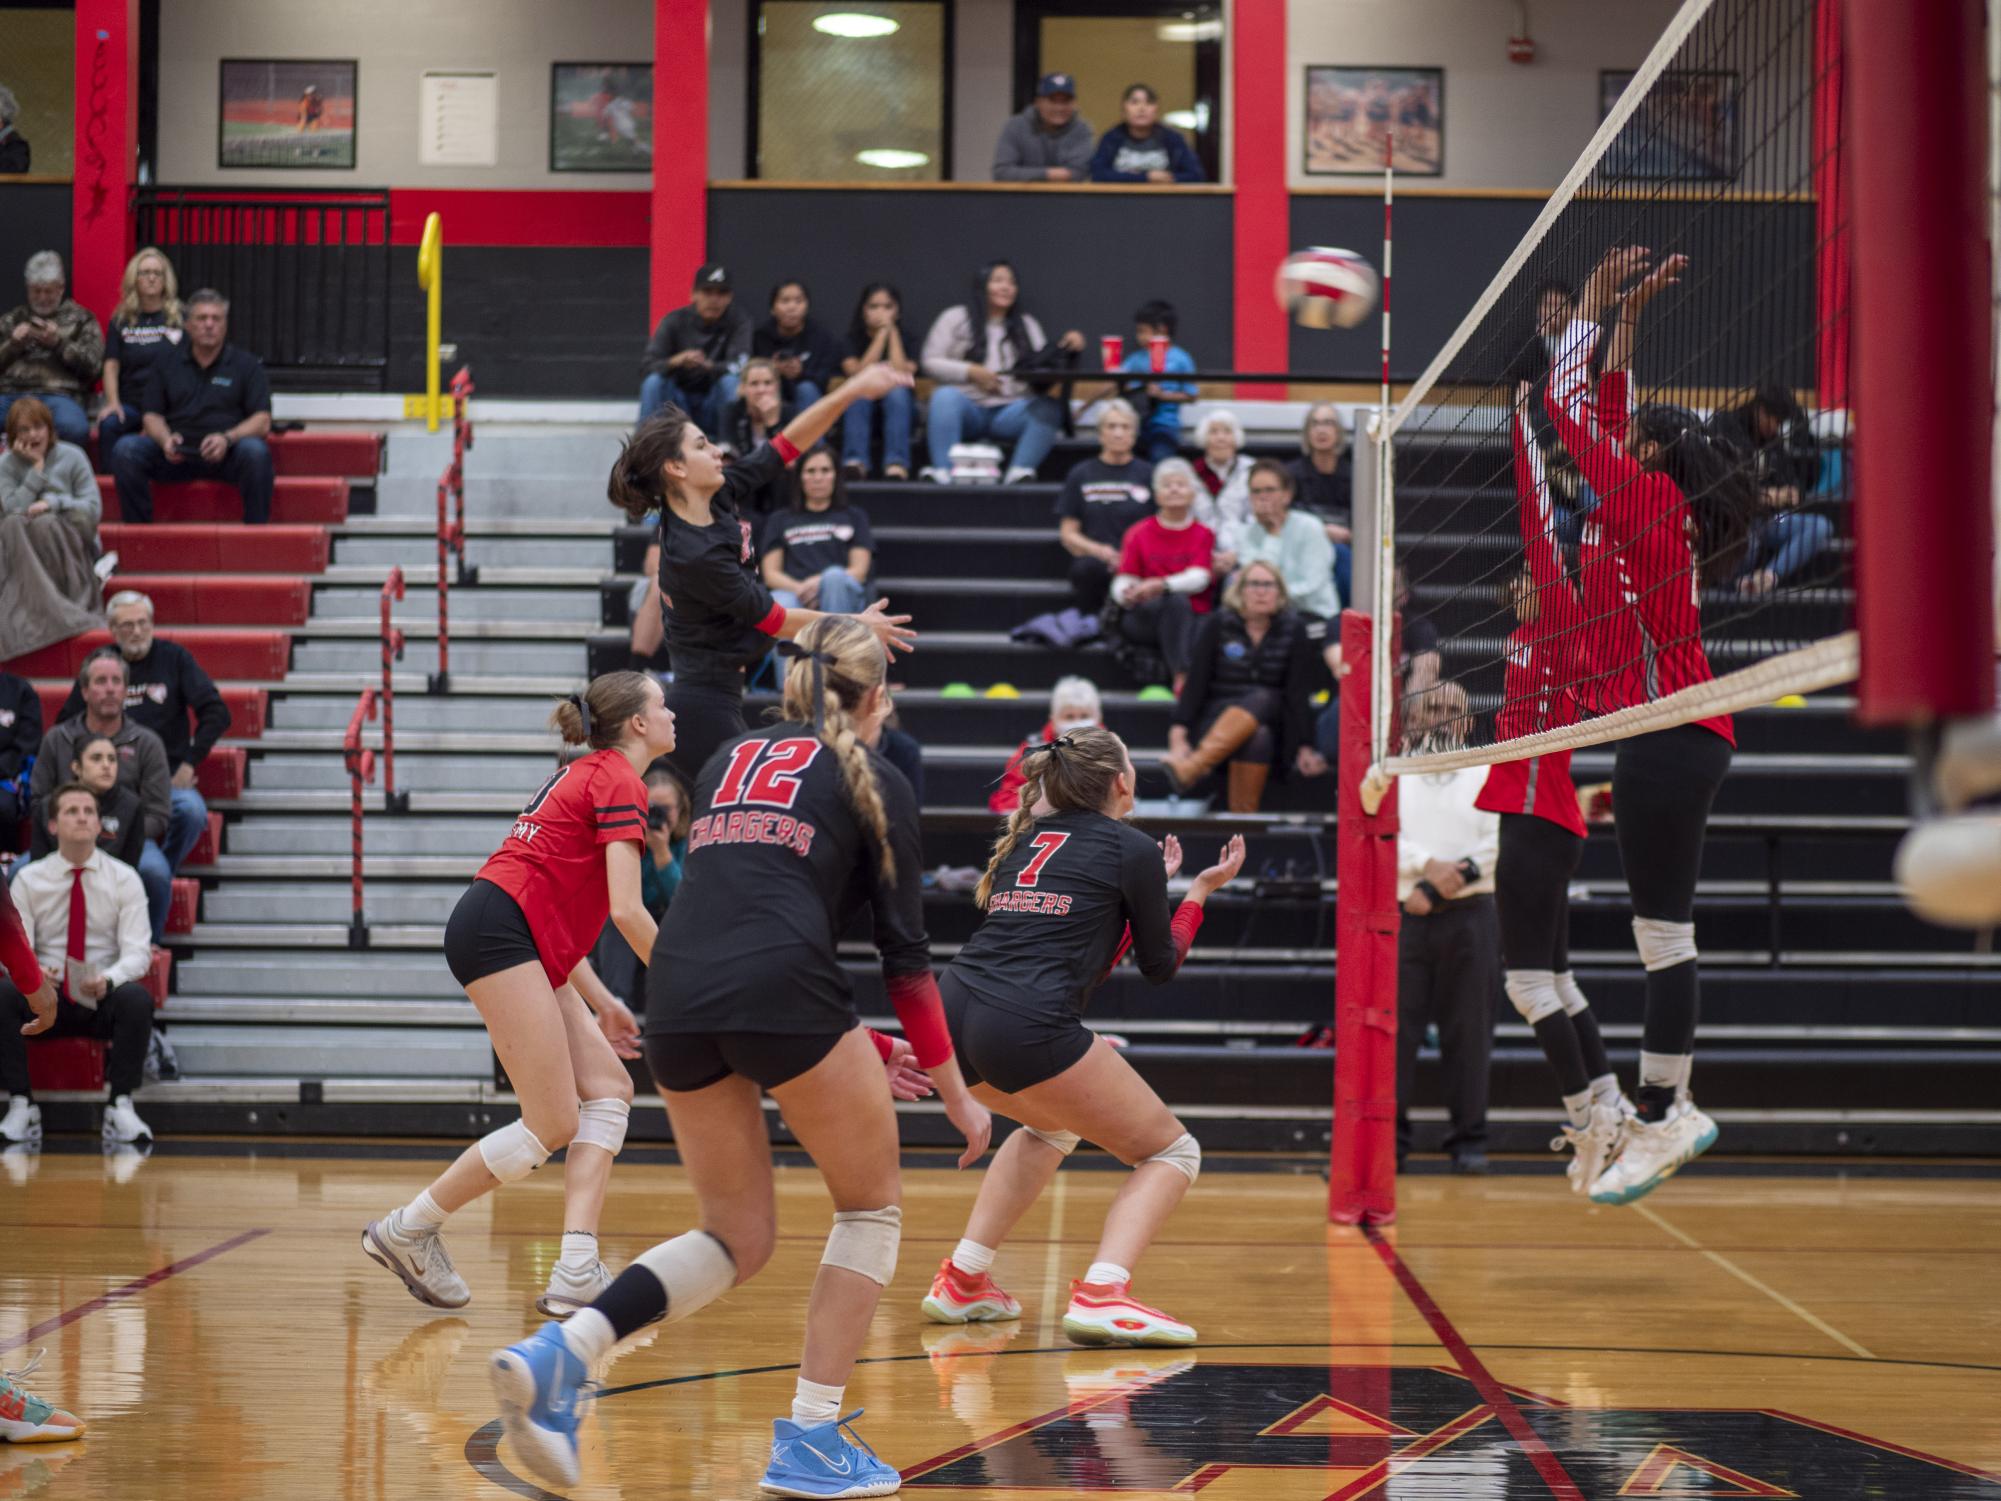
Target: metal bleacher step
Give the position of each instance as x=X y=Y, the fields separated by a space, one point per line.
x=532 y=568
x=419 y=713
x=551 y=652
x=292 y=837
x=232 y=1047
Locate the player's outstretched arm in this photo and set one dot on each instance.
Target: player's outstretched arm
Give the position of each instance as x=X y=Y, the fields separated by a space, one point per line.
x=871 y=383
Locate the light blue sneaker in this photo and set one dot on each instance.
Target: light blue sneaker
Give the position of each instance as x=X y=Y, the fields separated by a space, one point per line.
x=824 y=1461
x=537 y=1383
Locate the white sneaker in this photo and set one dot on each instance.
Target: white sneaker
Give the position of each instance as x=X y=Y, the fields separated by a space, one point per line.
x=105 y=566
x=1653 y=1152
x=931 y=474
x=122 y=1123
x=1594 y=1144
x=23 y=1123
x=419 y=1258
x=1017 y=473
x=567 y=1292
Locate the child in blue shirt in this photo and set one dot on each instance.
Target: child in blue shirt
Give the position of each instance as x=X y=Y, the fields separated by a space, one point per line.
x=1160 y=426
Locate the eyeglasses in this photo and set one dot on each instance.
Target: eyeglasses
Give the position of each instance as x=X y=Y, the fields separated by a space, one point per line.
x=1268 y=489
x=1260 y=584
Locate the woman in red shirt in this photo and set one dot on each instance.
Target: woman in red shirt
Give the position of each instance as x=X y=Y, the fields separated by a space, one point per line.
x=1164 y=580
x=516 y=942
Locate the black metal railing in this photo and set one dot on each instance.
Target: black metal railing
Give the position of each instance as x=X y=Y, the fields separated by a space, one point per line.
x=306 y=274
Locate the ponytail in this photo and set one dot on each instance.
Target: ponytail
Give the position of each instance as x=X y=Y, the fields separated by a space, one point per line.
x=637 y=486
x=597 y=717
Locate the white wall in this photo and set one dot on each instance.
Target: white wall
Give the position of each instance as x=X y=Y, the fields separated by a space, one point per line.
x=729 y=78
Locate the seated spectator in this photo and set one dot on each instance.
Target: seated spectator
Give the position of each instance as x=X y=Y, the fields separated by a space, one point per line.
x=20 y=739
x=1141 y=149
x=975 y=355
x=875 y=336
x=1292 y=542
x=207 y=409
x=693 y=356
x=660 y=868
x=1048 y=141
x=900 y=749
x=142 y=766
x=1160 y=430
x=1224 y=502
x=817 y=553
x=51 y=347
x=146 y=325
x=1247 y=701
x=1073 y=703
x=1772 y=431
x=1322 y=486
x=164 y=687
x=1163 y=584
x=1102 y=499
x=121 y=825
x=49 y=505
x=757 y=415
x=97 y=969
x=807 y=358
x=15 y=153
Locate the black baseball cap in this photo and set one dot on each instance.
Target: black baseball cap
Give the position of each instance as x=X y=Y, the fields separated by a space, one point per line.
x=712 y=278
x=1056 y=83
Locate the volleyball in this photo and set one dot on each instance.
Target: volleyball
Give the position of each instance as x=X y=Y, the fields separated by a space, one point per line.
x=1323 y=288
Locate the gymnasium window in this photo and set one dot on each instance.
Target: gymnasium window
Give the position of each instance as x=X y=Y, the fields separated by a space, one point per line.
x=850 y=90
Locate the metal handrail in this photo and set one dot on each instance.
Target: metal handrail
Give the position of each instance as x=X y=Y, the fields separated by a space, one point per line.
x=360 y=768
x=392 y=652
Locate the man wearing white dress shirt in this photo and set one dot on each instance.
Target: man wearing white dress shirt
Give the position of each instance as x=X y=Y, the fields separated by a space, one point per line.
x=85 y=914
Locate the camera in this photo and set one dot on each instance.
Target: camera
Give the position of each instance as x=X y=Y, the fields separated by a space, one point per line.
x=656 y=817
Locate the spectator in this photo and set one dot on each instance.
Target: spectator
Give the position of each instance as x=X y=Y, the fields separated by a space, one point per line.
x=1103 y=499
x=985 y=396
x=1322 y=485
x=758 y=413
x=659 y=878
x=51 y=347
x=1292 y=542
x=900 y=749
x=692 y=358
x=121 y=825
x=164 y=686
x=808 y=359
x=1772 y=431
x=15 y=153
x=1142 y=149
x=48 y=496
x=146 y=326
x=1160 y=432
x=1247 y=701
x=1224 y=502
x=1448 y=951
x=20 y=739
x=875 y=336
x=1073 y=703
x=142 y=766
x=1421 y=663
x=817 y=553
x=101 y=959
x=207 y=410
x=1162 y=585
x=1048 y=141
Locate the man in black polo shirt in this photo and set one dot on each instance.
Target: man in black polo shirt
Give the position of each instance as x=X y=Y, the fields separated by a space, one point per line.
x=207 y=408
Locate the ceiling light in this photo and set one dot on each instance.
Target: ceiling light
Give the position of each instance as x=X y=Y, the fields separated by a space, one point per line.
x=884 y=156
x=1190 y=31
x=854 y=23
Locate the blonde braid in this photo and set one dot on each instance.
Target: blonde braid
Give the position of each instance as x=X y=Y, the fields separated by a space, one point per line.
x=858 y=778
x=1018 y=823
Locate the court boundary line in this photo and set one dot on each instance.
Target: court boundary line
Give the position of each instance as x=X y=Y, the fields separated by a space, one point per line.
x=131 y=1289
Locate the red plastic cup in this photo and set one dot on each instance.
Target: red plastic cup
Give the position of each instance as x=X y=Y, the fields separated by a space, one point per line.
x=1156 y=352
x=1113 y=349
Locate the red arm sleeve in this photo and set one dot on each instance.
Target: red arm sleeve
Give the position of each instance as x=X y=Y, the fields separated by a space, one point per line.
x=1607 y=467
x=16 y=953
x=1615 y=404
x=922 y=1016
x=1118 y=954
x=1187 y=923
x=784 y=448
x=880 y=1041
x=774 y=620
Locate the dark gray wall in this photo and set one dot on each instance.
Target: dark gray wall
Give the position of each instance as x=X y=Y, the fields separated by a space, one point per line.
x=33 y=216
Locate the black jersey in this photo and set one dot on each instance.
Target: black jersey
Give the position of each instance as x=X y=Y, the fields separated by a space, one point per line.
x=776 y=854
x=720 y=617
x=1060 y=905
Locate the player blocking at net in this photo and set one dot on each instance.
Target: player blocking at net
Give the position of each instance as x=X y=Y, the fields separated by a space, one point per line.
x=746 y=993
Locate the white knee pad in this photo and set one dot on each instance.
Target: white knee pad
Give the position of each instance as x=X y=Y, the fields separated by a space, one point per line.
x=1663 y=944
x=695 y=1269
x=601 y=1123
x=1183 y=1154
x=1571 y=994
x=1534 y=994
x=864 y=1241
x=512 y=1152
x=1064 y=1141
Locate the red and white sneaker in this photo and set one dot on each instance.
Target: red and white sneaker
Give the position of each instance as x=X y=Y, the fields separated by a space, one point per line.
x=1106 y=1313
x=959 y=1297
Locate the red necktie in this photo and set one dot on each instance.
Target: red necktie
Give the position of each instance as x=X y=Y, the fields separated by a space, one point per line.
x=74 y=948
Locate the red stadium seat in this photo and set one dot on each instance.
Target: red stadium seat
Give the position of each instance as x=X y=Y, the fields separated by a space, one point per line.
x=65 y=1063
x=294 y=501
x=222 y=771
x=231 y=599
x=183 y=905
x=318 y=454
x=249 y=709
x=200 y=547
x=155 y=979
x=222 y=653
x=208 y=845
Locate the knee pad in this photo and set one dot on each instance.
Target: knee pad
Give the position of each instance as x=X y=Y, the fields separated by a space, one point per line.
x=1064 y=1141
x=601 y=1123
x=1663 y=944
x=512 y=1152
x=864 y=1241
x=1183 y=1154
x=694 y=1269
x=1534 y=994
x=1573 y=997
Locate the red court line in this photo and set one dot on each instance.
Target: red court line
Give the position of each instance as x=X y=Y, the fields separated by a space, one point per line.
x=131 y=1289
x=1470 y=1366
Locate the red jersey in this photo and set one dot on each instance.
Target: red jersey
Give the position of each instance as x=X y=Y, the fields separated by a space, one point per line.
x=1152 y=551
x=552 y=863
x=17 y=955
x=1642 y=587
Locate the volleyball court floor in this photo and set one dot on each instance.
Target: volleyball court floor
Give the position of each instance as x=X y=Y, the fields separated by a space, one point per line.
x=1777 y=1329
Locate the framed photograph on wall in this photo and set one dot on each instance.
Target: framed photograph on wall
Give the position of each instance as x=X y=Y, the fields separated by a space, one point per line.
x=1349 y=112
x=601 y=117
x=286 y=112
x=1685 y=130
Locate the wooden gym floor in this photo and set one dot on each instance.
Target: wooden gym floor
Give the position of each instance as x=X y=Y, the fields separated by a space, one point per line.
x=1780 y=1330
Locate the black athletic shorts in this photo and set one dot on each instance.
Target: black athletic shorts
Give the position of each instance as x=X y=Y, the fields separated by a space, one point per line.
x=487 y=933
x=687 y=1061
x=1009 y=1049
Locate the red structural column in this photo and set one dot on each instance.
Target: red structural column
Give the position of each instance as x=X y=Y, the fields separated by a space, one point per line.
x=1262 y=224
x=1830 y=218
x=1923 y=328
x=680 y=230
x=107 y=140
